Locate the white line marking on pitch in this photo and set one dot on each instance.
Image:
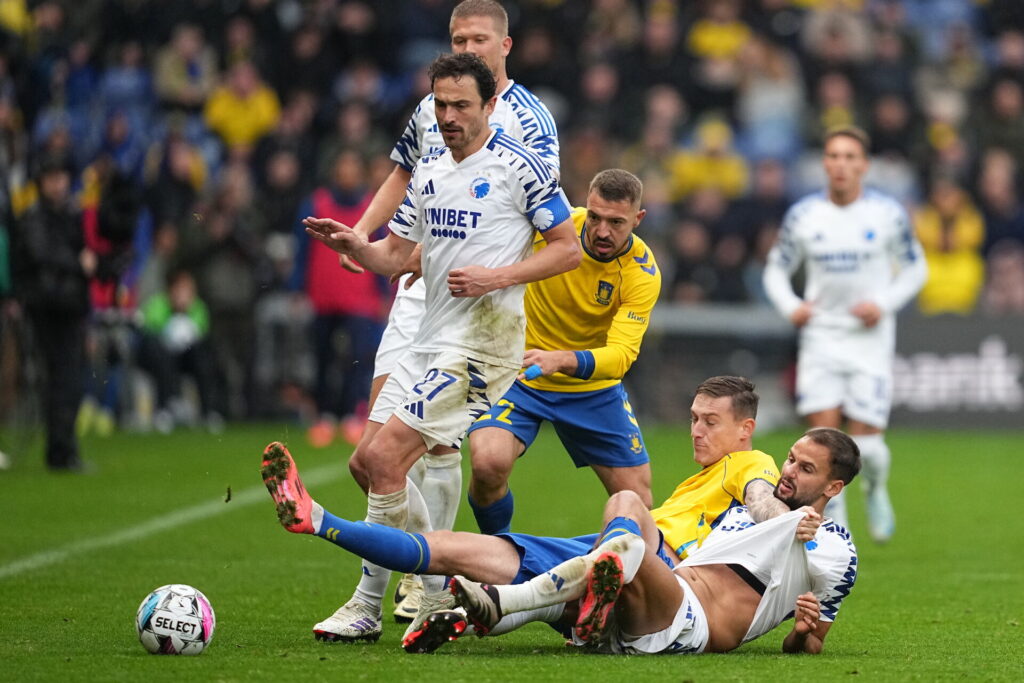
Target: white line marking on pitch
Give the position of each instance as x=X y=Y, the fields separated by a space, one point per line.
x=250 y=496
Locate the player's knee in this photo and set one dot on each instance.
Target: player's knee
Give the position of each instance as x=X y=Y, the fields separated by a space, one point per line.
x=357 y=467
x=491 y=469
x=626 y=504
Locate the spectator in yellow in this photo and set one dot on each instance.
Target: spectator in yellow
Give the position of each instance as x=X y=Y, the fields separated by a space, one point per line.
x=711 y=164
x=720 y=33
x=951 y=231
x=243 y=109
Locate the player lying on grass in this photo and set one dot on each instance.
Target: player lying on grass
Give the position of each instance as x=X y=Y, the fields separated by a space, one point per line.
x=722 y=424
x=742 y=582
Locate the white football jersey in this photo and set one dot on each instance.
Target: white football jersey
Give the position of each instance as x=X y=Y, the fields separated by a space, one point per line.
x=825 y=566
x=864 y=251
x=480 y=211
x=517 y=112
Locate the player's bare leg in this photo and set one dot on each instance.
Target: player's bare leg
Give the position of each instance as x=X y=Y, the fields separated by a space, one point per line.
x=636 y=479
x=493 y=453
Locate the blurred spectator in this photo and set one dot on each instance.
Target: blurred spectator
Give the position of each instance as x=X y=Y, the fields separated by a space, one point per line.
x=127 y=86
x=711 y=163
x=892 y=68
x=999 y=119
x=307 y=63
x=694 y=277
x=1004 y=289
x=656 y=59
x=770 y=106
x=951 y=231
x=715 y=41
x=349 y=308
x=835 y=104
x=53 y=265
x=224 y=251
x=174 y=342
x=294 y=130
x=999 y=197
x=242 y=110
x=281 y=190
x=763 y=208
x=611 y=28
x=353 y=129
x=185 y=73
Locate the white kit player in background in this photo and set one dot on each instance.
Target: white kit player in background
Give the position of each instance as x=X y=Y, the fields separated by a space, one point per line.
x=862 y=264
x=478 y=27
x=473 y=209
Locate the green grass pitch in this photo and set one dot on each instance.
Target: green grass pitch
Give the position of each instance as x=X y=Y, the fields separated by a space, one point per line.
x=944 y=601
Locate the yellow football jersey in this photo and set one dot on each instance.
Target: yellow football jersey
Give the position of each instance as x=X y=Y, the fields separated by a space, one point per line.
x=685 y=519
x=601 y=309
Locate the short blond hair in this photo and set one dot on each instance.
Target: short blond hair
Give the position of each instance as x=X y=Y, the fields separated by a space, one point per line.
x=482 y=8
x=858 y=134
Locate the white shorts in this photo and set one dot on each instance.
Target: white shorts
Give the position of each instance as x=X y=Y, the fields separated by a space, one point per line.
x=825 y=383
x=403 y=323
x=440 y=394
x=688 y=633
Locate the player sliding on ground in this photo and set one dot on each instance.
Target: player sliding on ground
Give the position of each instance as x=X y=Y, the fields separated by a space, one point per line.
x=745 y=579
x=722 y=423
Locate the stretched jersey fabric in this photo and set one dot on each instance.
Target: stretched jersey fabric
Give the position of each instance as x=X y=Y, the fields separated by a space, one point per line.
x=826 y=565
x=517 y=112
x=601 y=309
x=698 y=504
x=863 y=251
x=480 y=211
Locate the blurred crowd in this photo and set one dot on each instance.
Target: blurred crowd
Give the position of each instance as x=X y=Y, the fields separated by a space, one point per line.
x=194 y=134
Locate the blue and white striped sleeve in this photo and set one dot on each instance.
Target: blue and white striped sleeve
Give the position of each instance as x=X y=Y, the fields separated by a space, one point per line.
x=540 y=134
x=409 y=148
x=406 y=221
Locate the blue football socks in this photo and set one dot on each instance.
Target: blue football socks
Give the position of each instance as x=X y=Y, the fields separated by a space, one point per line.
x=495 y=518
x=618 y=527
x=382 y=545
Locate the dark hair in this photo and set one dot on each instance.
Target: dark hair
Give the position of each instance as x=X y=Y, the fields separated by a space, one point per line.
x=853 y=132
x=617 y=185
x=843 y=453
x=465 y=64
x=739 y=389
x=483 y=8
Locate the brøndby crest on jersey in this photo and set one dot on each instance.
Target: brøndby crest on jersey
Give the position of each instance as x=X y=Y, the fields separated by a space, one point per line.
x=604 y=292
x=479 y=188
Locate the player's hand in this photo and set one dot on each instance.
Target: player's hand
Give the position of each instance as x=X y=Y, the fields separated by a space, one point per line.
x=471 y=281
x=868 y=312
x=549 y=362
x=808 y=526
x=413 y=266
x=807 y=613
x=349 y=264
x=801 y=315
x=338 y=236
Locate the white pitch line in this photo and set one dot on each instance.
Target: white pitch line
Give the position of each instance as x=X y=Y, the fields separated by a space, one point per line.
x=249 y=496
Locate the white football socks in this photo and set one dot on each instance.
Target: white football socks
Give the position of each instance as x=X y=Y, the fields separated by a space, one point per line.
x=510 y=622
x=389 y=509
x=874 y=459
x=568 y=580
x=442 y=488
x=836 y=509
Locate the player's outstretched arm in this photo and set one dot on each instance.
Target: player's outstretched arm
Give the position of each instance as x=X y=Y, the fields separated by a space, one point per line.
x=808 y=634
x=560 y=254
x=383 y=256
x=382 y=207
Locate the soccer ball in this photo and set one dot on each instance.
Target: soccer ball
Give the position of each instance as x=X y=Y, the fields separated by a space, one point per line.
x=175 y=620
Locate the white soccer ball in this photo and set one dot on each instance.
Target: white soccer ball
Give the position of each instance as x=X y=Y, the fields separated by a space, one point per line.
x=175 y=620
